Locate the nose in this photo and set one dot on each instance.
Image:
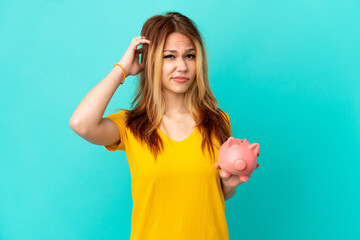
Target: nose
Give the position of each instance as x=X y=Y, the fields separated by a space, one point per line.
x=181 y=65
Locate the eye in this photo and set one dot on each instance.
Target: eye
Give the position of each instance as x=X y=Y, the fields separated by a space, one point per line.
x=169 y=56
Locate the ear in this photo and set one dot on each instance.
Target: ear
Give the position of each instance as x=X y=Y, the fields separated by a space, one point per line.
x=232 y=141
x=255 y=147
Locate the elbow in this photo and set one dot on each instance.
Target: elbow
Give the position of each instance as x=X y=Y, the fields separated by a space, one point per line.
x=76 y=126
x=73 y=123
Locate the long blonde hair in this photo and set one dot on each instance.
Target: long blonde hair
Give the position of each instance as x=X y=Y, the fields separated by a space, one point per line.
x=145 y=117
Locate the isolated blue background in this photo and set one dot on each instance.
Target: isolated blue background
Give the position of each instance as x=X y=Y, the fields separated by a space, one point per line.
x=287 y=73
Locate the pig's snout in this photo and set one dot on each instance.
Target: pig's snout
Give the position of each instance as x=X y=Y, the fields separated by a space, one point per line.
x=240 y=164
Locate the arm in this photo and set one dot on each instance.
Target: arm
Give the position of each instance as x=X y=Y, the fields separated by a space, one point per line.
x=89 y=113
x=227 y=190
x=228 y=184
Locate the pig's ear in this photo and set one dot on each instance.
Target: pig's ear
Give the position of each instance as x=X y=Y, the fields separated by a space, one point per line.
x=255 y=147
x=232 y=141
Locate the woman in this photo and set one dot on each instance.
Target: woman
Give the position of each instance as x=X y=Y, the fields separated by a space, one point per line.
x=171 y=136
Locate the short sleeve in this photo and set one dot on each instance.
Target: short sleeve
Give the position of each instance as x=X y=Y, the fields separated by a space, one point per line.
x=119 y=120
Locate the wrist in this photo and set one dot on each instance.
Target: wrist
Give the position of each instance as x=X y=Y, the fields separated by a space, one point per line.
x=120 y=71
x=227 y=190
x=226 y=186
x=124 y=67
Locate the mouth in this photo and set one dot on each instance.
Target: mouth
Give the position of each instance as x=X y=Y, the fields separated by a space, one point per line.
x=180 y=79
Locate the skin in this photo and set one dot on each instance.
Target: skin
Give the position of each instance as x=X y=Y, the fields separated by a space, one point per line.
x=177 y=121
x=179 y=63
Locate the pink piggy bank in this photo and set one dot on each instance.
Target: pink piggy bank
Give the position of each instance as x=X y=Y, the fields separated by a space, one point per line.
x=238 y=157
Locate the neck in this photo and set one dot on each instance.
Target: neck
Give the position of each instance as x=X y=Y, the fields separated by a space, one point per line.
x=175 y=104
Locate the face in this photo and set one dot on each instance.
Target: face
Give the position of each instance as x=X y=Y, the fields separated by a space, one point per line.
x=178 y=60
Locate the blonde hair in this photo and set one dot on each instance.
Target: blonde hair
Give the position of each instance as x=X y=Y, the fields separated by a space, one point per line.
x=145 y=117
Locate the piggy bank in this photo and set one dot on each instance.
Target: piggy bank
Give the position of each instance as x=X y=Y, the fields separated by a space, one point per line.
x=238 y=157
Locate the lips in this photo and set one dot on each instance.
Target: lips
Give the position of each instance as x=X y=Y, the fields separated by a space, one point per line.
x=180 y=79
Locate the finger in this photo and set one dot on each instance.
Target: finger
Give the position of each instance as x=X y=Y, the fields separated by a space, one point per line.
x=145 y=42
x=141 y=41
x=139 y=37
x=217 y=166
x=225 y=175
x=135 y=44
x=137 y=41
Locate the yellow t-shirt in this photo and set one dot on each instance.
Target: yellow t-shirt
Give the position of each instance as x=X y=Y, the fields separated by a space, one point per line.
x=180 y=196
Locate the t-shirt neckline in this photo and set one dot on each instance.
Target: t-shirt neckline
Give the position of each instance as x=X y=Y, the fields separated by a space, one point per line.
x=172 y=140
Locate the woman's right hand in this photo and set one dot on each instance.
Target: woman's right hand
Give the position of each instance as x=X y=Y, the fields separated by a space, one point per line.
x=130 y=60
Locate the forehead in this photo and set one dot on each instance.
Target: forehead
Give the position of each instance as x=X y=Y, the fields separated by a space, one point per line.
x=177 y=41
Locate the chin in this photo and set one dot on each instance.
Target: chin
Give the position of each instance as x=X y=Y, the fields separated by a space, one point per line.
x=177 y=90
x=180 y=91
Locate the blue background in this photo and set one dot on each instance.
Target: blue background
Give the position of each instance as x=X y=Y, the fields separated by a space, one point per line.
x=286 y=72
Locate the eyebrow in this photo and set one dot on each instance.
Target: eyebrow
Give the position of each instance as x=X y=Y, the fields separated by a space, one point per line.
x=188 y=50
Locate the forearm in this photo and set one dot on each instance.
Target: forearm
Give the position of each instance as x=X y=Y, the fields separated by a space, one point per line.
x=91 y=109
